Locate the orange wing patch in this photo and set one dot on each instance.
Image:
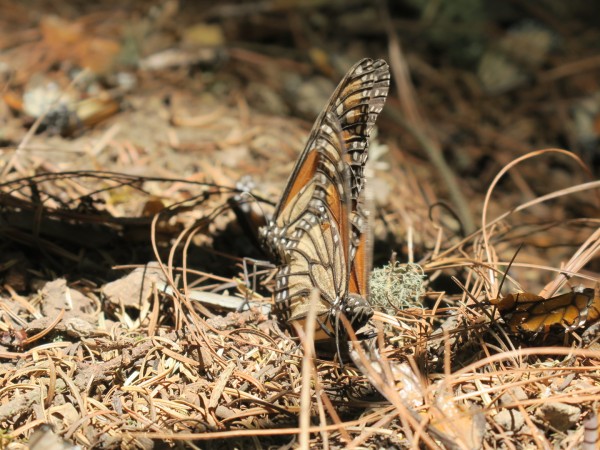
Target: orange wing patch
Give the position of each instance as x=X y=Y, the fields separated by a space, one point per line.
x=336 y=204
x=530 y=313
x=359 y=272
x=301 y=177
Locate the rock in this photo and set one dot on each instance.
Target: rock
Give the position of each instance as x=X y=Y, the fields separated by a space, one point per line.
x=510 y=420
x=135 y=289
x=514 y=395
x=56 y=296
x=561 y=416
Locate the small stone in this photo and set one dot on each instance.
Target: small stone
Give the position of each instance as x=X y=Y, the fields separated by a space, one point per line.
x=222 y=412
x=510 y=420
x=203 y=35
x=512 y=396
x=135 y=289
x=561 y=416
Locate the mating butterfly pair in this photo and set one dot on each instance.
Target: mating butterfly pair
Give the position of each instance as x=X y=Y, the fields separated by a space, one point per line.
x=319 y=230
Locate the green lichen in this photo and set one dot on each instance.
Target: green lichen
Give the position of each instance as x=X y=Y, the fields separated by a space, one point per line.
x=397 y=286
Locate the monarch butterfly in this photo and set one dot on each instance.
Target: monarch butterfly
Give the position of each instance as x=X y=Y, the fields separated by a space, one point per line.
x=318 y=232
x=530 y=313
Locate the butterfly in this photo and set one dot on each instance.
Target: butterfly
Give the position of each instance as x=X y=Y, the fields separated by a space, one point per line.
x=529 y=313
x=318 y=232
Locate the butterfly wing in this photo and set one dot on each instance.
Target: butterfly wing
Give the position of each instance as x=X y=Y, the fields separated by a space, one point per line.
x=357 y=129
x=355 y=105
x=318 y=230
x=316 y=247
x=356 y=307
x=530 y=313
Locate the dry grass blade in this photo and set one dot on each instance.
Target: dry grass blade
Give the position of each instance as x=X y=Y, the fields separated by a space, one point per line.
x=588 y=250
x=307 y=371
x=485 y=226
x=115 y=350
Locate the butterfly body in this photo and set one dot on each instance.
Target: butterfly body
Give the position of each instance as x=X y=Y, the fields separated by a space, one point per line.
x=318 y=233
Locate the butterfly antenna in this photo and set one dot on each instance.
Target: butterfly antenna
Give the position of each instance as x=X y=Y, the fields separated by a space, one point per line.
x=508 y=268
x=477 y=303
x=453 y=213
